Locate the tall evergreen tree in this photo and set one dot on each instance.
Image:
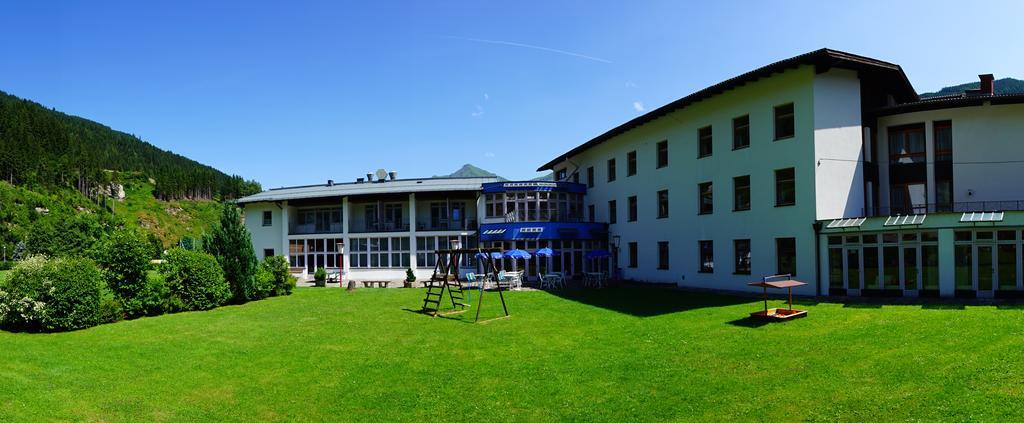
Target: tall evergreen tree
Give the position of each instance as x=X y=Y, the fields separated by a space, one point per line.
x=231 y=244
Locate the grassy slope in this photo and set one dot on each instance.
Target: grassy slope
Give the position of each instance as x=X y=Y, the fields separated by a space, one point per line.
x=332 y=355
x=169 y=220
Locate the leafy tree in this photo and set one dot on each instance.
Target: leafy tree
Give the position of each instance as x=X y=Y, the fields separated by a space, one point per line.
x=124 y=258
x=231 y=244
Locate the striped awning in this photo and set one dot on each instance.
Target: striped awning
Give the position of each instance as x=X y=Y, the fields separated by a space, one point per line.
x=976 y=217
x=910 y=219
x=853 y=222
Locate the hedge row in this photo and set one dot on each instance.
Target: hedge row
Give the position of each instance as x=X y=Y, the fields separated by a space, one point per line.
x=42 y=294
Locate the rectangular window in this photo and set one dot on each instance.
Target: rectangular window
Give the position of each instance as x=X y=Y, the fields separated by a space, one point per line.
x=742 y=249
x=576 y=177
x=704 y=142
x=268 y=218
x=268 y=252
x=707 y=256
x=705 y=199
x=785 y=255
x=590 y=212
x=662 y=255
x=785 y=126
x=590 y=177
x=632 y=209
x=741 y=193
x=561 y=174
x=662 y=204
x=613 y=212
x=631 y=163
x=943 y=141
x=741 y=132
x=907 y=144
x=611 y=170
x=785 y=187
x=632 y=247
x=662 y=159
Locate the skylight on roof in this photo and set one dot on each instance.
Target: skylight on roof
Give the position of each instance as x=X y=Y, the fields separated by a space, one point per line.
x=910 y=219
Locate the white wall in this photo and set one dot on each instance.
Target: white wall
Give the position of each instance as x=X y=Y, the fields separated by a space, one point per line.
x=838 y=152
x=684 y=227
x=988 y=133
x=265 y=236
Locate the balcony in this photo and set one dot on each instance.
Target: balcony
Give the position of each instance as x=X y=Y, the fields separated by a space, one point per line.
x=960 y=207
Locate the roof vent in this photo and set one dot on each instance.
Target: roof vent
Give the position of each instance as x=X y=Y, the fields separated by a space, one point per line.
x=392 y=175
x=988 y=84
x=330 y=182
x=359 y=180
x=369 y=177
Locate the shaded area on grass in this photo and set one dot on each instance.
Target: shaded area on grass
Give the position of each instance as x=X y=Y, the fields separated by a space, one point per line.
x=648 y=302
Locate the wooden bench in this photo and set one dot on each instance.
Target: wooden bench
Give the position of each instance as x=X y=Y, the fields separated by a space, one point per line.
x=380 y=284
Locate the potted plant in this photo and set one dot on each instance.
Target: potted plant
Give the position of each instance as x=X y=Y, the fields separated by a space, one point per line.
x=320 y=276
x=410 y=278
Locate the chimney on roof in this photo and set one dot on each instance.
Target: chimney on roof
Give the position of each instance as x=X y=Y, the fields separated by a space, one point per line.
x=392 y=175
x=988 y=84
x=369 y=177
x=330 y=182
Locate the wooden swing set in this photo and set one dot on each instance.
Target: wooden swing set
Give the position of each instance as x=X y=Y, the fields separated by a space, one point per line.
x=446 y=279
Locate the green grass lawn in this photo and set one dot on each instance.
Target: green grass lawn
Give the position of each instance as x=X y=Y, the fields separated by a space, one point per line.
x=614 y=354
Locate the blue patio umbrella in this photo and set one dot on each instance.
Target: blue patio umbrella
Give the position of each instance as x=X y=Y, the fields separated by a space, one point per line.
x=480 y=255
x=496 y=255
x=545 y=252
x=598 y=254
x=517 y=254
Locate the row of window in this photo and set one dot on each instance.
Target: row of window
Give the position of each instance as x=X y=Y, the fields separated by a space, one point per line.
x=531 y=206
x=785 y=195
x=785 y=127
x=785 y=253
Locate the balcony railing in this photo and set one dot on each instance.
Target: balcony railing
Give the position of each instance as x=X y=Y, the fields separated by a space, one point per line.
x=380 y=227
x=467 y=225
x=309 y=229
x=959 y=207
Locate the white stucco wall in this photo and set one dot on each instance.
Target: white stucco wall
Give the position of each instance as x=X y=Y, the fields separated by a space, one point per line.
x=839 y=166
x=981 y=135
x=684 y=227
x=265 y=236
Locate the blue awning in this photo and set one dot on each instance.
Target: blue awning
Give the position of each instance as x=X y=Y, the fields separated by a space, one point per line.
x=530 y=231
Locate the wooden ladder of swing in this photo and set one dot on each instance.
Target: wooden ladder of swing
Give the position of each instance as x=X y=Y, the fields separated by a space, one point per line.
x=444 y=278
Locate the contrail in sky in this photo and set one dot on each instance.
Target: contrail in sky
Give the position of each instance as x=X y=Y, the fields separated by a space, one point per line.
x=547 y=49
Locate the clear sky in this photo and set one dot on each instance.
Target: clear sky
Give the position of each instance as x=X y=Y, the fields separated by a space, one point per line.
x=293 y=92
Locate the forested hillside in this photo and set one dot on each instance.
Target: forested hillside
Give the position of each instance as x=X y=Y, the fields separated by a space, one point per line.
x=44 y=148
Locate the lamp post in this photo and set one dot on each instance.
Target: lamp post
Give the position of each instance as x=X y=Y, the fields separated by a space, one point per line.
x=615 y=255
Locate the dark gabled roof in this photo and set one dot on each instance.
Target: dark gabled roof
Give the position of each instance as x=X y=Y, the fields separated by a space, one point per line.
x=823 y=59
x=949 y=102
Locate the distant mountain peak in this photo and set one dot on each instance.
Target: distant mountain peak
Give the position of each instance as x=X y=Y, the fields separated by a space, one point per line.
x=470 y=171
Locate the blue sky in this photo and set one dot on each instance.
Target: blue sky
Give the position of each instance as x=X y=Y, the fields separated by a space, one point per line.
x=294 y=93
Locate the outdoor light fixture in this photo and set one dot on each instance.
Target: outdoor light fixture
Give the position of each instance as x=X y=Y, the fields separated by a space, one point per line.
x=615 y=240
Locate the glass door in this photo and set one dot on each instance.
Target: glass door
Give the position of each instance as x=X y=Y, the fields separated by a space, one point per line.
x=984 y=266
x=911 y=270
x=1007 y=266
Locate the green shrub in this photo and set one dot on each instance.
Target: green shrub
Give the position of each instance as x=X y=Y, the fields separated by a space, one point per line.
x=151 y=300
x=53 y=295
x=281 y=278
x=110 y=309
x=124 y=258
x=6 y=265
x=231 y=244
x=320 y=275
x=194 y=280
x=264 y=286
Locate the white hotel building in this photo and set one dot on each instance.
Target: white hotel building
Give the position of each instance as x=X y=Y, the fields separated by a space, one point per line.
x=827 y=166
